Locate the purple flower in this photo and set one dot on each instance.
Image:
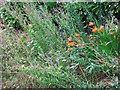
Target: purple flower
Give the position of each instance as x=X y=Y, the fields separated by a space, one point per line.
x=38 y=11
x=57 y=60
x=107 y=24
x=25 y=47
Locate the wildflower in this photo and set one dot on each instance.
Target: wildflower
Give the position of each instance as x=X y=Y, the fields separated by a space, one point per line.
x=94 y=29
x=70 y=43
x=77 y=35
x=69 y=39
x=24 y=46
x=38 y=11
x=57 y=59
x=68 y=49
x=101 y=28
x=78 y=45
x=91 y=23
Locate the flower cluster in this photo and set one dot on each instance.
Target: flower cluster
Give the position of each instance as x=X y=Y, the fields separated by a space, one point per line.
x=94 y=28
x=71 y=43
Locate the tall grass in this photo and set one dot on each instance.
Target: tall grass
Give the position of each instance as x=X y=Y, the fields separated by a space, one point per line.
x=42 y=53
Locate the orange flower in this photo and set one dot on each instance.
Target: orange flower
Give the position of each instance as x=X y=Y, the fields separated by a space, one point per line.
x=68 y=49
x=94 y=29
x=69 y=39
x=77 y=35
x=78 y=45
x=101 y=28
x=91 y=23
x=70 y=43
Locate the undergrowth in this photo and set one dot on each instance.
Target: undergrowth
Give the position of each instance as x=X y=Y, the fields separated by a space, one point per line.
x=61 y=48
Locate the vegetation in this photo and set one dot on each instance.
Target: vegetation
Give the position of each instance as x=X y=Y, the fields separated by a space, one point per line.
x=60 y=45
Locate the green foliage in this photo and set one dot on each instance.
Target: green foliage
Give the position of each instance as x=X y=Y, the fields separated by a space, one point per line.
x=108 y=39
x=55 y=78
x=8 y=19
x=39 y=52
x=82 y=13
x=108 y=43
x=43 y=31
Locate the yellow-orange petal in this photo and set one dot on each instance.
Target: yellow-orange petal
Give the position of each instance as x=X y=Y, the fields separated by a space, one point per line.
x=101 y=28
x=70 y=43
x=69 y=39
x=77 y=35
x=78 y=45
x=68 y=49
x=94 y=29
x=91 y=23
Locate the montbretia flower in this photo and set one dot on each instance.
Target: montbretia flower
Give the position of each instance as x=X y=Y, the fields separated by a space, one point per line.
x=77 y=35
x=78 y=45
x=94 y=29
x=68 y=49
x=70 y=43
x=69 y=39
x=101 y=28
x=91 y=23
